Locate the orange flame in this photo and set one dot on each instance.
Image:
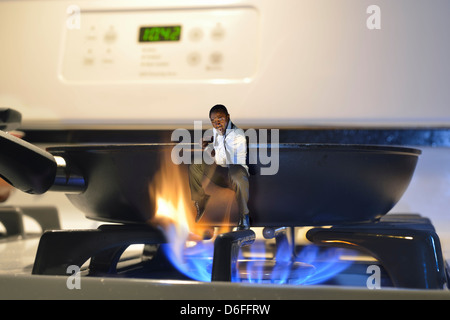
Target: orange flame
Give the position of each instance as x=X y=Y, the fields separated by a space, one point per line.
x=175 y=211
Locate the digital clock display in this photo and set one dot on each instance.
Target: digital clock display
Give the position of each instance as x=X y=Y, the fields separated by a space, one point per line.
x=159 y=33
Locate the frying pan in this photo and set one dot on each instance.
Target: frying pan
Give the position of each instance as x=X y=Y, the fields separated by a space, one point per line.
x=316 y=184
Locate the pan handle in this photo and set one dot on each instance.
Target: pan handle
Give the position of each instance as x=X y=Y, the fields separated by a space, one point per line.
x=25 y=166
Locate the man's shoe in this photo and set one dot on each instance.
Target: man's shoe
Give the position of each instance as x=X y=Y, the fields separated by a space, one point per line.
x=201 y=206
x=244 y=222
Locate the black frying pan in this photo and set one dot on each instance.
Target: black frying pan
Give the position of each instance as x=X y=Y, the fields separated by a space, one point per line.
x=316 y=184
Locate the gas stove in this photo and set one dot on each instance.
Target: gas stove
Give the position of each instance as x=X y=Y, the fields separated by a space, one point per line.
x=66 y=256
x=107 y=76
x=399 y=256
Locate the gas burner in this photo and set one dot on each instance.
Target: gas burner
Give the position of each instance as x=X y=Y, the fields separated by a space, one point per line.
x=272 y=271
x=405 y=247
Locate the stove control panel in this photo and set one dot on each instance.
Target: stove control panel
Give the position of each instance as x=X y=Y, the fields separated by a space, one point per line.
x=161 y=45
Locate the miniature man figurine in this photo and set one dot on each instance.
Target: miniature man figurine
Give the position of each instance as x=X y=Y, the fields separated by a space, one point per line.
x=229 y=151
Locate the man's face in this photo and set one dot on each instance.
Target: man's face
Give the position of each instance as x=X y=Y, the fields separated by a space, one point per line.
x=219 y=121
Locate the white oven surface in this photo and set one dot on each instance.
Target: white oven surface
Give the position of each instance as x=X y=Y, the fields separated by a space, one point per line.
x=273 y=63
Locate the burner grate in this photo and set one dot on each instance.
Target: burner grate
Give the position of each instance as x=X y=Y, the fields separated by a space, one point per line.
x=59 y=249
x=405 y=244
x=12 y=218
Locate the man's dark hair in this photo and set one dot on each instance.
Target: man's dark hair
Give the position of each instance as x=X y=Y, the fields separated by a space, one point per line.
x=218 y=107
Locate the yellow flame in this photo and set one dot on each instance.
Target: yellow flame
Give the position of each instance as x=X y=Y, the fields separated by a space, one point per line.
x=175 y=211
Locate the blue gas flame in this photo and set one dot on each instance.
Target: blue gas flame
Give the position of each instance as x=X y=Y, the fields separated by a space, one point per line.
x=312 y=265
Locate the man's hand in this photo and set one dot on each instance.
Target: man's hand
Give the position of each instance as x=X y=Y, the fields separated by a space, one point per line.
x=204 y=143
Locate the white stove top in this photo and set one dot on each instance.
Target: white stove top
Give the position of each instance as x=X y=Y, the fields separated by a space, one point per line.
x=17 y=258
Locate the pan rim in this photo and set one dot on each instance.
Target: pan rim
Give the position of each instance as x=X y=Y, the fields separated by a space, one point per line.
x=292 y=145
